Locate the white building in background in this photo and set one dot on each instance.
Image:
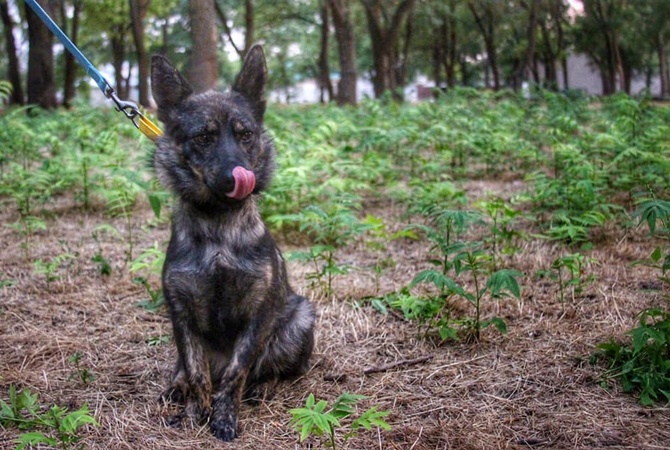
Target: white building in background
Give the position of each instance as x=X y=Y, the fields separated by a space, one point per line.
x=307 y=91
x=583 y=76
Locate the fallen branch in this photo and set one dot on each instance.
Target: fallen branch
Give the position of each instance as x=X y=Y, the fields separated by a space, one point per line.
x=401 y=363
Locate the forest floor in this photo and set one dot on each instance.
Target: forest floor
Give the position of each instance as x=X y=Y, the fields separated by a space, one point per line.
x=531 y=388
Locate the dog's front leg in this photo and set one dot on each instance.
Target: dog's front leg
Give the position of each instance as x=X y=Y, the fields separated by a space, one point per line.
x=195 y=370
x=227 y=400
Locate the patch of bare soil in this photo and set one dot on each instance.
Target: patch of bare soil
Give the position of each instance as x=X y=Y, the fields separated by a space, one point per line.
x=532 y=388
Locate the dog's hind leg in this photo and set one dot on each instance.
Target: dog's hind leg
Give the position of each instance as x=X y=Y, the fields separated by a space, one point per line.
x=288 y=350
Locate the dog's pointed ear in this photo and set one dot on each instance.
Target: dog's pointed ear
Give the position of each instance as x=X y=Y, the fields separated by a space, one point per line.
x=168 y=86
x=251 y=80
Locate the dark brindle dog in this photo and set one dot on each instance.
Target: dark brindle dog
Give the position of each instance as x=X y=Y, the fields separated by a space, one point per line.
x=237 y=322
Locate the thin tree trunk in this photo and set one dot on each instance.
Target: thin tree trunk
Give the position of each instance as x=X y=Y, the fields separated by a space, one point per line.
x=528 y=67
x=249 y=27
x=204 y=70
x=346 y=44
x=138 y=9
x=452 y=52
x=41 y=86
x=560 y=40
x=325 y=86
x=487 y=30
x=439 y=52
x=401 y=62
x=69 y=88
x=663 y=67
x=118 y=58
x=384 y=43
x=13 y=72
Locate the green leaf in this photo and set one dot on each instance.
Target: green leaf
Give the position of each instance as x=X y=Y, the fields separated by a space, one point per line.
x=504 y=281
x=498 y=322
x=35 y=438
x=379 y=305
x=371 y=417
x=156 y=203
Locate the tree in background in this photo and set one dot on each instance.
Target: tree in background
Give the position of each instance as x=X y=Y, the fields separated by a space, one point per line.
x=249 y=26
x=13 y=71
x=69 y=88
x=654 y=36
x=203 y=73
x=138 y=10
x=552 y=43
x=487 y=15
x=598 y=34
x=346 y=45
x=325 y=85
x=41 y=83
x=490 y=43
x=385 y=19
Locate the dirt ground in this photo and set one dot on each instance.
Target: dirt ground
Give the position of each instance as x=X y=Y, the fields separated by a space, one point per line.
x=530 y=388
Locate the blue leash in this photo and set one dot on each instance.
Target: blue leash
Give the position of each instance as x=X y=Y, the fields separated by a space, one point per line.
x=130 y=109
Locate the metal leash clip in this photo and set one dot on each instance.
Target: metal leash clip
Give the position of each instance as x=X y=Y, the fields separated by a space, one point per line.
x=132 y=111
x=128 y=108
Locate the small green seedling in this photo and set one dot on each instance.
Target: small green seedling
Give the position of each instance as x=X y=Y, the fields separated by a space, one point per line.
x=643 y=366
x=80 y=373
x=54 y=428
x=315 y=418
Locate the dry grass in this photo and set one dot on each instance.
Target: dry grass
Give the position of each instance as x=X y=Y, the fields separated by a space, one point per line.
x=531 y=388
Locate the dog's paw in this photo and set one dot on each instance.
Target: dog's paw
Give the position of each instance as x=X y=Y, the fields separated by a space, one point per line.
x=224 y=428
x=223 y=421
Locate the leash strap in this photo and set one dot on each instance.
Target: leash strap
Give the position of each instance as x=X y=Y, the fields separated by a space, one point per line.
x=130 y=109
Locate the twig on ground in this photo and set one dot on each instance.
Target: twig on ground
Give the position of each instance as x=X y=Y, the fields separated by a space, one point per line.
x=401 y=363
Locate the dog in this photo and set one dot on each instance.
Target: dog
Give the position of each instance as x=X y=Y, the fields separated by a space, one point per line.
x=237 y=322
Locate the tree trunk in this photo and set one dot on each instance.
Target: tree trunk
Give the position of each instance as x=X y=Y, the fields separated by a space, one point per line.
x=486 y=27
x=204 y=70
x=118 y=58
x=452 y=49
x=138 y=10
x=346 y=44
x=384 y=43
x=663 y=67
x=41 y=86
x=325 y=86
x=548 y=60
x=528 y=67
x=69 y=88
x=401 y=60
x=13 y=72
x=438 y=56
x=249 y=27
x=560 y=40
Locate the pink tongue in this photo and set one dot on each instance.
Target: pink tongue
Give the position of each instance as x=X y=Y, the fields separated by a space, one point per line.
x=245 y=180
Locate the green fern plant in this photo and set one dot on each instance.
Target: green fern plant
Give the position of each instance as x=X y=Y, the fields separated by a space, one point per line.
x=54 y=428
x=315 y=418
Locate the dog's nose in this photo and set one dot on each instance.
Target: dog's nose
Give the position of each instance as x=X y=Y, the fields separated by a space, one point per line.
x=242 y=183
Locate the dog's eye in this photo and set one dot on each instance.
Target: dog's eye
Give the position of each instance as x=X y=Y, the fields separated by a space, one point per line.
x=246 y=136
x=203 y=139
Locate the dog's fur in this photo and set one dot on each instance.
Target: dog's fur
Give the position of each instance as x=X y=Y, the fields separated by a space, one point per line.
x=237 y=322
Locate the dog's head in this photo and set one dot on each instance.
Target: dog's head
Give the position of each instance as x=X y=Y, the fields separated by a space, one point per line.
x=214 y=152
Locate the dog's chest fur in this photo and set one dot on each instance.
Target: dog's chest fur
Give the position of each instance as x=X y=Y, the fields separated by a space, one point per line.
x=222 y=270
